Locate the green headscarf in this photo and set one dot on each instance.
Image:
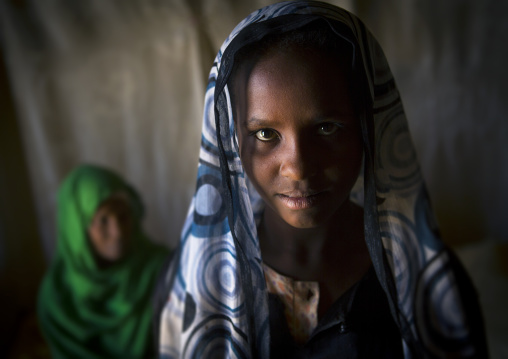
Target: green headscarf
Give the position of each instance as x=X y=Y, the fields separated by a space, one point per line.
x=90 y=312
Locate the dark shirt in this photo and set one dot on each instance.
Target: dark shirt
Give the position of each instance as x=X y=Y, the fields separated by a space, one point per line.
x=358 y=325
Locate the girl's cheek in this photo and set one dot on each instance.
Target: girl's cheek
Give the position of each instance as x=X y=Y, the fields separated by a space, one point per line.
x=332 y=173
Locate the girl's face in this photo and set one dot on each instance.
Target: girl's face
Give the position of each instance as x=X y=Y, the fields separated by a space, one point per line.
x=111 y=229
x=299 y=136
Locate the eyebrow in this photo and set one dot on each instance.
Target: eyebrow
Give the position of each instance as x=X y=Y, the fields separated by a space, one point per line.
x=254 y=121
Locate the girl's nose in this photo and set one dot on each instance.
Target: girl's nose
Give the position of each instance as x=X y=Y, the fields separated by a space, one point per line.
x=297 y=160
x=115 y=232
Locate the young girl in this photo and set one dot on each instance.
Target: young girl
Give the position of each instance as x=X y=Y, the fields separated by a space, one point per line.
x=310 y=233
x=95 y=300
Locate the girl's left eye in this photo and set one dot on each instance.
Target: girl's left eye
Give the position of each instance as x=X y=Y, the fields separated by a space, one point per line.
x=328 y=128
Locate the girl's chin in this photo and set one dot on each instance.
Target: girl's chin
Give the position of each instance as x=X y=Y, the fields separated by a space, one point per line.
x=304 y=220
x=114 y=255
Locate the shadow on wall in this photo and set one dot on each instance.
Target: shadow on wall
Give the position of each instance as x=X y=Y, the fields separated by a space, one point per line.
x=21 y=259
x=487 y=263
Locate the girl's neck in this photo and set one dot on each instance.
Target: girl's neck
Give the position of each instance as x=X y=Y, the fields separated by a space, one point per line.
x=307 y=254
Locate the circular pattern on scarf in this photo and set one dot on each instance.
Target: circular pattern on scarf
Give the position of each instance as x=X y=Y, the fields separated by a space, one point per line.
x=439 y=315
x=209 y=131
x=214 y=337
x=401 y=245
x=397 y=166
x=219 y=284
x=210 y=206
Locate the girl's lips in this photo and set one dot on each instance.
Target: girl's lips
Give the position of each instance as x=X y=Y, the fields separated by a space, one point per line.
x=299 y=201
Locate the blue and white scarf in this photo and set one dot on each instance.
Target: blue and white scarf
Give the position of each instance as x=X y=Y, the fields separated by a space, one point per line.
x=217 y=306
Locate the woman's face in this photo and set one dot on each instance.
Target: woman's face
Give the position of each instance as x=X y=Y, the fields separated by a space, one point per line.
x=111 y=229
x=299 y=137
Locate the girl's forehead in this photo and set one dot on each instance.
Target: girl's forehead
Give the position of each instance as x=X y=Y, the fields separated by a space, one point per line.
x=297 y=85
x=290 y=66
x=316 y=36
x=301 y=56
x=118 y=201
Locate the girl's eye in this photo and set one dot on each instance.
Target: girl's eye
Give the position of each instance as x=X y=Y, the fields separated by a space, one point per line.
x=327 y=128
x=266 y=134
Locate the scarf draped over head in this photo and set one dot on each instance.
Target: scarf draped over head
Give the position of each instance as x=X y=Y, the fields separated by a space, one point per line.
x=218 y=302
x=90 y=312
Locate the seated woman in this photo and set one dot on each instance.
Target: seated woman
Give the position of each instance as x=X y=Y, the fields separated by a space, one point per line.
x=95 y=299
x=310 y=234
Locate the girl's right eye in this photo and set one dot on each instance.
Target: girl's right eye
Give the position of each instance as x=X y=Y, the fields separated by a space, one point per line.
x=266 y=135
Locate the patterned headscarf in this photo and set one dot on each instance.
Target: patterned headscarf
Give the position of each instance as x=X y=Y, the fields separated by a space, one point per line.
x=86 y=311
x=218 y=302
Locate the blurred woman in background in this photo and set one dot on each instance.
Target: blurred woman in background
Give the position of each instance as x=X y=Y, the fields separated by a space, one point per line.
x=95 y=300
